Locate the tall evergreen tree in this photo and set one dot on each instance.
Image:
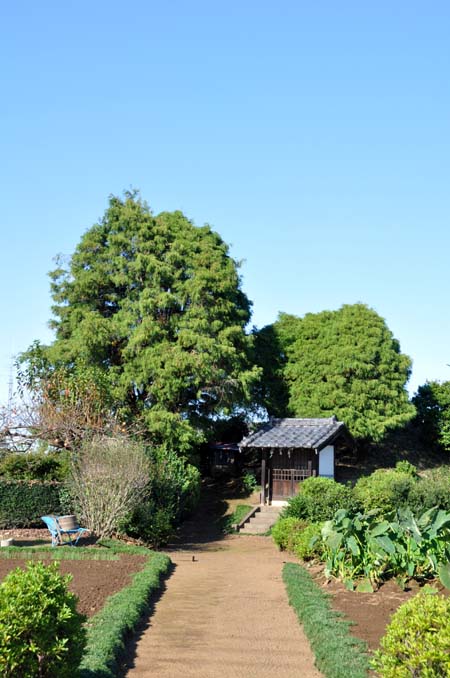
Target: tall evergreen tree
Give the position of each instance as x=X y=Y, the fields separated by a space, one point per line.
x=156 y=304
x=344 y=363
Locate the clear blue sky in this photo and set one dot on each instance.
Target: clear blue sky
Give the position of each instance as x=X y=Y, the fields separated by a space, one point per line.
x=313 y=136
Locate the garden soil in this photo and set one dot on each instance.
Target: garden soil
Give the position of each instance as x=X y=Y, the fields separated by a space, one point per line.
x=93 y=580
x=224 y=612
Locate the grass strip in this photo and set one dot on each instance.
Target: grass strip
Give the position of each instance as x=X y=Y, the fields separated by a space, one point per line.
x=226 y=522
x=59 y=553
x=338 y=653
x=120 y=615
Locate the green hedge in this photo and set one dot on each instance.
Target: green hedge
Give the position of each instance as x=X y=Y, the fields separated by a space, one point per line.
x=23 y=502
x=109 y=628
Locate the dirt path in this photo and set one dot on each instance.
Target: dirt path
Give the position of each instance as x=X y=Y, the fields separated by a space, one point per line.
x=223 y=614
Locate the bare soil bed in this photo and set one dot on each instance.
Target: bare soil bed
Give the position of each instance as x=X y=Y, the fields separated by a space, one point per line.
x=369 y=612
x=93 y=580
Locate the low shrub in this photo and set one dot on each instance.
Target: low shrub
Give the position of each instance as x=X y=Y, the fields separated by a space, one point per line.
x=249 y=482
x=417 y=640
x=41 y=632
x=171 y=493
x=431 y=490
x=22 y=502
x=338 y=653
x=387 y=489
x=308 y=542
x=286 y=531
x=297 y=507
x=406 y=467
x=120 y=615
x=318 y=500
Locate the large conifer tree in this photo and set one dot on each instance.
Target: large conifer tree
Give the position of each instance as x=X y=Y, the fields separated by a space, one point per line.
x=154 y=303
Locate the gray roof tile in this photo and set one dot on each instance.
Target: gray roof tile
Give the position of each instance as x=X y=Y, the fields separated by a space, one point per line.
x=294 y=433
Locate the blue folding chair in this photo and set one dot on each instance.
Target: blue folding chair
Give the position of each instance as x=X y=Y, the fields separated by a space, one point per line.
x=58 y=533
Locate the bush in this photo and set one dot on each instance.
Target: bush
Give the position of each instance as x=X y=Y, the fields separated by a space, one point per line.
x=318 y=500
x=297 y=507
x=431 y=490
x=308 y=542
x=171 y=493
x=108 y=480
x=249 y=482
x=285 y=532
x=406 y=467
x=417 y=641
x=41 y=632
x=35 y=466
x=387 y=489
x=22 y=502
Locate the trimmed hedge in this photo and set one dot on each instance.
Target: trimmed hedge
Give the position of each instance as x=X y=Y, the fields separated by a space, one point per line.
x=108 y=629
x=338 y=653
x=23 y=502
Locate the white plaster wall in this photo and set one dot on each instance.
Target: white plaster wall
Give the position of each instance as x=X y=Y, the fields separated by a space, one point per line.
x=326 y=462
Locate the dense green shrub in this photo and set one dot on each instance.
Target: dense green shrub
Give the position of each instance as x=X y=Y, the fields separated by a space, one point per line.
x=249 y=482
x=297 y=507
x=318 y=500
x=41 y=632
x=22 y=502
x=385 y=489
x=35 y=466
x=417 y=641
x=285 y=532
x=172 y=492
x=308 y=542
x=405 y=466
x=431 y=490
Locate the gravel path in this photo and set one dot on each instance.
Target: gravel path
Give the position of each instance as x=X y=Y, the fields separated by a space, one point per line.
x=224 y=615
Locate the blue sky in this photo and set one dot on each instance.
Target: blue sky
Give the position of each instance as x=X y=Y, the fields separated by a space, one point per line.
x=313 y=136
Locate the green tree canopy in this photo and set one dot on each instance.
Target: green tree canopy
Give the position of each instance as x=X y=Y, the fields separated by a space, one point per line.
x=432 y=402
x=344 y=363
x=155 y=303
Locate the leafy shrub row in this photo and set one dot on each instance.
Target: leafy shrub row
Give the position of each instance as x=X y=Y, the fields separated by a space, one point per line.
x=22 y=502
x=41 y=633
x=298 y=536
x=120 y=616
x=386 y=489
x=417 y=640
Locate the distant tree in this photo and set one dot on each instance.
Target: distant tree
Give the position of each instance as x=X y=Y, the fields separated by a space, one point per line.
x=153 y=305
x=344 y=363
x=432 y=402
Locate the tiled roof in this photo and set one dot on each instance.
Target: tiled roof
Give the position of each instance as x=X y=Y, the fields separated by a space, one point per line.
x=295 y=433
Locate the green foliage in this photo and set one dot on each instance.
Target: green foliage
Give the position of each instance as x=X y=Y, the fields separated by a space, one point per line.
x=285 y=532
x=432 y=402
x=325 y=496
x=119 y=617
x=318 y=500
x=344 y=363
x=417 y=640
x=433 y=489
x=226 y=522
x=338 y=654
x=172 y=492
x=41 y=632
x=367 y=546
x=308 y=542
x=249 y=482
x=154 y=303
x=35 y=466
x=405 y=466
x=22 y=502
x=387 y=489
x=297 y=507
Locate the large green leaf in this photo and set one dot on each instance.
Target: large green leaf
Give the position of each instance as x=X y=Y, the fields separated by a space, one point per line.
x=444 y=574
x=386 y=544
x=364 y=586
x=381 y=528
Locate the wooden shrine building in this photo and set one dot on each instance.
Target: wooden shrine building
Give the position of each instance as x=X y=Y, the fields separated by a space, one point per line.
x=292 y=450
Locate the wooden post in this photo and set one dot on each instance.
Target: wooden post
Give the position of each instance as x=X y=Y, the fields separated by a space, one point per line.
x=263 y=478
